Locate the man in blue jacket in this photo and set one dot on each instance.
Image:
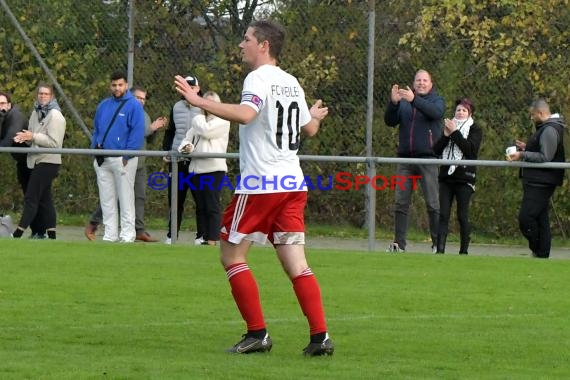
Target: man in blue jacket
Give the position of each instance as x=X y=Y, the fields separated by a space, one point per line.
x=419 y=113
x=119 y=123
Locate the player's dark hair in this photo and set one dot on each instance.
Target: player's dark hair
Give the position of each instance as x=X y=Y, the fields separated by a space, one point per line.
x=7 y=96
x=119 y=74
x=266 y=30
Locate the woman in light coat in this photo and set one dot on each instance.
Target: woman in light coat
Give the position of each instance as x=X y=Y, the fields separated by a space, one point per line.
x=208 y=134
x=46 y=129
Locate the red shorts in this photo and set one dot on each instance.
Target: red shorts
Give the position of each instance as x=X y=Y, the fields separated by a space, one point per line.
x=278 y=217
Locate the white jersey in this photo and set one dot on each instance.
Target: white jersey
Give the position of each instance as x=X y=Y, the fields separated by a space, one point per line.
x=268 y=144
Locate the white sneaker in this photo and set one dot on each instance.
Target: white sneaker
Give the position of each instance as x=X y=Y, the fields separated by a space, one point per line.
x=168 y=241
x=395 y=247
x=199 y=241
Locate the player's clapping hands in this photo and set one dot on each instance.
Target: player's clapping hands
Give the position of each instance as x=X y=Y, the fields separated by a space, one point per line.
x=318 y=111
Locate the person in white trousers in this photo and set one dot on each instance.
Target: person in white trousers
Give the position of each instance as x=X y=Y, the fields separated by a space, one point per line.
x=119 y=125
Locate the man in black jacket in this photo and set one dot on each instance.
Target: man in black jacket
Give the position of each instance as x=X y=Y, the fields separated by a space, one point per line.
x=13 y=121
x=419 y=113
x=545 y=145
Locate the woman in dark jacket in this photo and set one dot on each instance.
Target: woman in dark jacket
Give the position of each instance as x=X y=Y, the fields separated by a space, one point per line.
x=461 y=140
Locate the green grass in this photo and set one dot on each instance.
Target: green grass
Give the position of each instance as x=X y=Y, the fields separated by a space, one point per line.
x=113 y=311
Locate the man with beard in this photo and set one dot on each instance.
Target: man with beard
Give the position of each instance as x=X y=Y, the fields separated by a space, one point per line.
x=12 y=121
x=119 y=124
x=140 y=178
x=545 y=145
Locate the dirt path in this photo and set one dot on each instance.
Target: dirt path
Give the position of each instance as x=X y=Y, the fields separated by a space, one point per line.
x=76 y=234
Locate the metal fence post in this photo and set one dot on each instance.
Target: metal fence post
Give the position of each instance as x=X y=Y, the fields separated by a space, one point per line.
x=370 y=165
x=131 y=44
x=371 y=207
x=173 y=197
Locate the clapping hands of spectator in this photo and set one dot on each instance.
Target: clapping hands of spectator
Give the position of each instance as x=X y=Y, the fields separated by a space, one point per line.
x=159 y=123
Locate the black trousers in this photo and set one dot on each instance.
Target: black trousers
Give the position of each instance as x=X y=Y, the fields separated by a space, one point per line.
x=534 y=222
x=182 y=192
x=24 y=173
x=462 y=192
x=38 y=199
x=206 y=194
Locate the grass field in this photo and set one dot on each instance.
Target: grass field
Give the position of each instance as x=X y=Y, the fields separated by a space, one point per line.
x=113 y=311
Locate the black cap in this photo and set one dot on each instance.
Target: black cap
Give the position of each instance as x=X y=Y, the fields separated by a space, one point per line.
x=192 y=80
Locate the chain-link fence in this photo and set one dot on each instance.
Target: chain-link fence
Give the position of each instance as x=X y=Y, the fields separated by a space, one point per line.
x=471 y=49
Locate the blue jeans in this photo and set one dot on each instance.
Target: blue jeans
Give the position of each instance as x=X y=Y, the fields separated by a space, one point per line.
x=430 y=190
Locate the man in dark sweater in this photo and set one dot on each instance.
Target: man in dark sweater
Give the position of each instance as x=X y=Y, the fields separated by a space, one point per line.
x=419 y=113
x=12 y=121
x=545 y=145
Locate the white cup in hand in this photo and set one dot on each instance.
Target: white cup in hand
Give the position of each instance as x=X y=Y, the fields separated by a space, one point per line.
x=510 y=150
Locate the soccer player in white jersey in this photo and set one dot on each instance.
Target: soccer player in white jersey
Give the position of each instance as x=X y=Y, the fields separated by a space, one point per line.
x=272 y=113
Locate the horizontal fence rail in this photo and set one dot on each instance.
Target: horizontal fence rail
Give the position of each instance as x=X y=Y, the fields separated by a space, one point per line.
x=313 y=158
x=371 y=161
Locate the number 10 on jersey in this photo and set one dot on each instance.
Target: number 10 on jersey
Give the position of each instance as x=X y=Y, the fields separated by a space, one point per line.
x=292 y=123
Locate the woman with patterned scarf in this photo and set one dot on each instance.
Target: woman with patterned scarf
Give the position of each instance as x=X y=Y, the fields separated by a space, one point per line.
x=46 y=129
x=460 y=140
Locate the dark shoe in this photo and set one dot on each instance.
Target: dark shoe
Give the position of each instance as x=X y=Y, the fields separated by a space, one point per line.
x=38 y=236
x=90 y=230
x=145 y=236
x=441 y=241
x=17 y=233
x=249 y=344
x=464 y=246
x=319 y=349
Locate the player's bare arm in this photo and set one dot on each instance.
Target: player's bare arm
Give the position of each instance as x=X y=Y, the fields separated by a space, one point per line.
x=238 y=113
x=318 y=113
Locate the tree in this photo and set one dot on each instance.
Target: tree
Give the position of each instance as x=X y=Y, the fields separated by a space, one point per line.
x=504 y=36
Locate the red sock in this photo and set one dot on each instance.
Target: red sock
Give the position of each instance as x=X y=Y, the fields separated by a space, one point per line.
x=246 y=295
x=309 y=295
